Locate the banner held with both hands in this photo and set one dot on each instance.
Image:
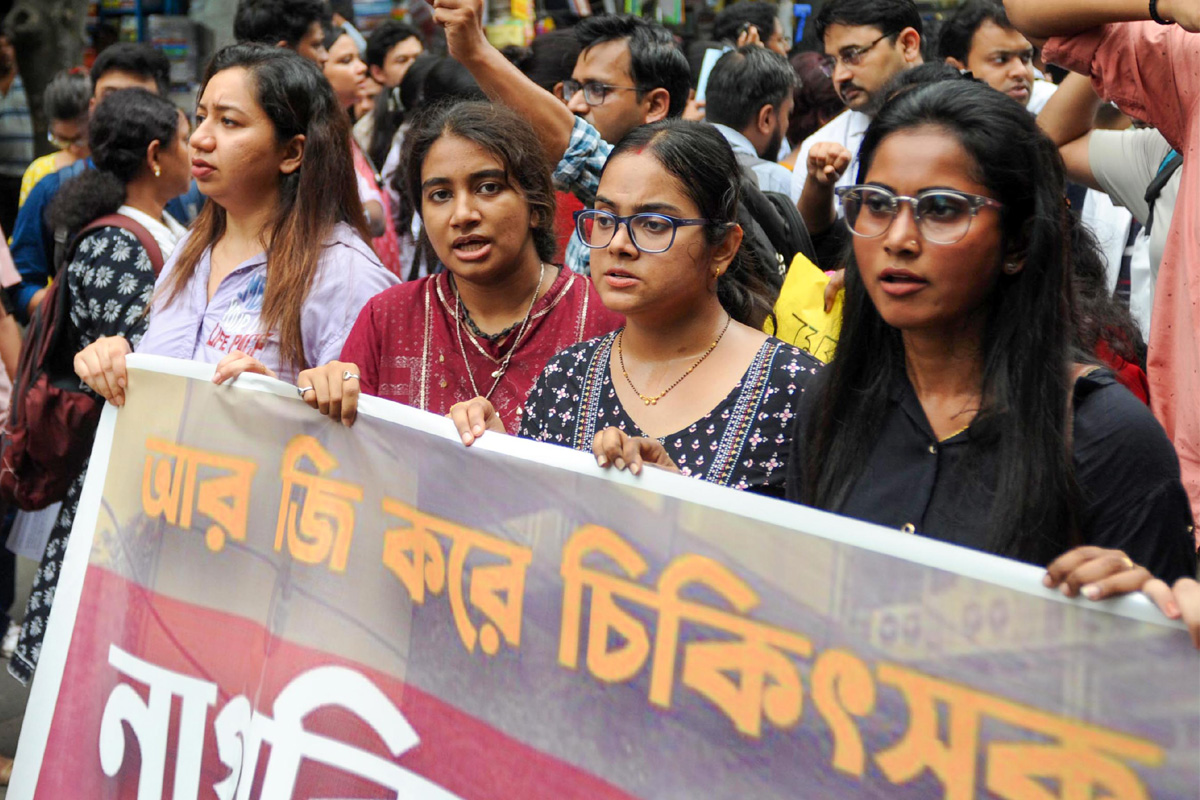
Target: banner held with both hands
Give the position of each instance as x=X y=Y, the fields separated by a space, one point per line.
x=259 y=603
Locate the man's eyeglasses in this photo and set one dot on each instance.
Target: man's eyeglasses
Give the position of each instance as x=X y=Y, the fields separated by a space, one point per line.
x=62 y=143
x=850 y=56
x=594 y=92
x=650 y=233
x=943 y=216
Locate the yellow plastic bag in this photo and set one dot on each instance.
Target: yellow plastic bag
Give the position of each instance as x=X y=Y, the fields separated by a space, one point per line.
x=800 y=311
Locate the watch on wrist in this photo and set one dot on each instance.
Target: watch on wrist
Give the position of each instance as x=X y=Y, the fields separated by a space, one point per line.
x=1154 y=15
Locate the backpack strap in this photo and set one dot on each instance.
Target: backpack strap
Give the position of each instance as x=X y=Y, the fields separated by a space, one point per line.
x=1166 y=169
x=133 y=226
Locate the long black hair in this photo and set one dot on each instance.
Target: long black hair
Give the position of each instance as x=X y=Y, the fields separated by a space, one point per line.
x=120 y=131
x=698 y=156
x=298 y=100
x=1027 y=343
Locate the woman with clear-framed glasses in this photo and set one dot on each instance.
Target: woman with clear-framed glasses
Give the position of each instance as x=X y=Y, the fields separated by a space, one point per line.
x=686 y=385
x=957 y=406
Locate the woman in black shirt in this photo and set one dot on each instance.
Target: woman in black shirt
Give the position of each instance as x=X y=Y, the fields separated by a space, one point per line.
x=955 y=406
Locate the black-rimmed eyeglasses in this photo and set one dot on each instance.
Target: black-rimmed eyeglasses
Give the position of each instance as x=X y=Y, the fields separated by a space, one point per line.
x=594 y=92
x=650 y=233
x=943 y=216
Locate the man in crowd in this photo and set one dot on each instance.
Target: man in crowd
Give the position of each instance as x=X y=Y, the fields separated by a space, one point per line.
x=758 y=15
x=867 y=43
x=16 y=133
x=391 y=50
x=750 y=103
x=978 y=37
x=1144 y=57
x=120 y=66
x=295 y=24
x=629 y=73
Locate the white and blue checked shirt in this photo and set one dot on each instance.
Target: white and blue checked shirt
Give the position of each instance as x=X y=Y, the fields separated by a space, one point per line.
x=578 y=172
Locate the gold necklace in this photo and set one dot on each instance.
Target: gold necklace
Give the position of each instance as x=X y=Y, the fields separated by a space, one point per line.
x=653 y=401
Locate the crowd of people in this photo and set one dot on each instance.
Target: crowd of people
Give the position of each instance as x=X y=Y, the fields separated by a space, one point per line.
x=570 y=242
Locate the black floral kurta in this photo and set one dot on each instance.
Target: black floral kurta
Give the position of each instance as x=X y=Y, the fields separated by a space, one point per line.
x=110 y=280
x=742 y=443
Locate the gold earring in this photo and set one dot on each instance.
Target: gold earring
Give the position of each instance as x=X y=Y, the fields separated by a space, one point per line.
x=157 y=171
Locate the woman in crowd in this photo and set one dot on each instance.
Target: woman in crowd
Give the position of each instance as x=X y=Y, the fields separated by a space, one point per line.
x=138 y=142
x=488 y=323
x=690 y=383
x=955 y=406
x=276 y=267
x=347 y=75
x=65 y=102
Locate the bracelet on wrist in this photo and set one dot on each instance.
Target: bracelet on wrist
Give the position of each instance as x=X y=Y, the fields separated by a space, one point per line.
x=1154 y=15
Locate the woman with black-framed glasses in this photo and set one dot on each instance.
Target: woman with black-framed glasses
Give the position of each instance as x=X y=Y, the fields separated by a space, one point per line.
x=686 y=385
x=957 y=405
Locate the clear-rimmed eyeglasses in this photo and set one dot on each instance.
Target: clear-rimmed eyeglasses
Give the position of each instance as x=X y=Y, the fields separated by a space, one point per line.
x=594 y=92
x=943 y=216
x=650 y=233
x=850 y=56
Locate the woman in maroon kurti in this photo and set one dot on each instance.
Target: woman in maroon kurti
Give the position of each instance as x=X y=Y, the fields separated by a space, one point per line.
x=489 y=323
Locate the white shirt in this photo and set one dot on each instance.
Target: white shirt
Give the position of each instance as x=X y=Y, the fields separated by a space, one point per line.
x=772 y=177
x=166 y=231
x=1040 y=94
x=847 y=129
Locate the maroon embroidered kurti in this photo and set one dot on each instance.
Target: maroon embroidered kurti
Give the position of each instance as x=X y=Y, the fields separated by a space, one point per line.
x=407 y=350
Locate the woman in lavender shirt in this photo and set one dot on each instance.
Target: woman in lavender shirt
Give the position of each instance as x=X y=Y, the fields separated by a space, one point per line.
x=277 y=265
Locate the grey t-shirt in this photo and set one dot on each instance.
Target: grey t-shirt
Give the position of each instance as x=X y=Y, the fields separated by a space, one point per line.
x=1124 y=163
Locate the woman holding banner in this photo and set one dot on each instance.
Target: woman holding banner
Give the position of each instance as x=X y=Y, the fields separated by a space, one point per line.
x=277 y=265
x=488 y=324
x=686 y=385
x=955 y=406
x=139 y=146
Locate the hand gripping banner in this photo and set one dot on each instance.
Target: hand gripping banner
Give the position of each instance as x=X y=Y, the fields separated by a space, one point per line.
x=259 y=603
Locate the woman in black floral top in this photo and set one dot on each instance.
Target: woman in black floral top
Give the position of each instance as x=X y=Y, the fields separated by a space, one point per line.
x=139 y=145
x=690 y=384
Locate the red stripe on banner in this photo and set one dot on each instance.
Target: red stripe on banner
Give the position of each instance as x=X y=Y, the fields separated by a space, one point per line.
x=458 y=752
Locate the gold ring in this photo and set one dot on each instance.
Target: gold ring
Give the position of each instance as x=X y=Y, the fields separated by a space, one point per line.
x=1128 y=562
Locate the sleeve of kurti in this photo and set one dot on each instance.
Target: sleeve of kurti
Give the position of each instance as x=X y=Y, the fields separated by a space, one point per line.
x=110 y=281
x=1148 y=70
x=362 y=348
x=1128 y=474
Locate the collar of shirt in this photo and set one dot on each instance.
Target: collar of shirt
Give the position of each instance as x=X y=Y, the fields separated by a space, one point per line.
x=737 y=140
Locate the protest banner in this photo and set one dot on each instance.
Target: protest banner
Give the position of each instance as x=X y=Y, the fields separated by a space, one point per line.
x=259 y=603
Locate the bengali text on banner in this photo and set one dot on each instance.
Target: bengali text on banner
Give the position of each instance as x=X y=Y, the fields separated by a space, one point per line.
x=259 y=603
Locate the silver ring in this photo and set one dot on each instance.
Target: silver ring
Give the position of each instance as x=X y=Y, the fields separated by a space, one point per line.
x=300 y=390
x=347 y=375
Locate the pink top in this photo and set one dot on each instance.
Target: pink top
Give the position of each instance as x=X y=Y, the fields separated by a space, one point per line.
x=1153 y=72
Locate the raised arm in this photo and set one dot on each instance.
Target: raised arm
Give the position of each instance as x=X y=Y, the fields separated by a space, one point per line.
x=1042 y=19
x=499 y=79
x=1067 y=120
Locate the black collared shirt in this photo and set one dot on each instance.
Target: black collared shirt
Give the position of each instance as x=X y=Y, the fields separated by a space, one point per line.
x=1125 y=466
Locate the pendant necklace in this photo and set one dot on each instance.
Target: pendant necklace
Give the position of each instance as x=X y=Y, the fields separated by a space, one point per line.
x=653 y=401
x=498 y=373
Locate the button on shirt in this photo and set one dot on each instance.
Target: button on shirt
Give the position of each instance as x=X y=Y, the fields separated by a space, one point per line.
x=1127 y=473
x=195 y=328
